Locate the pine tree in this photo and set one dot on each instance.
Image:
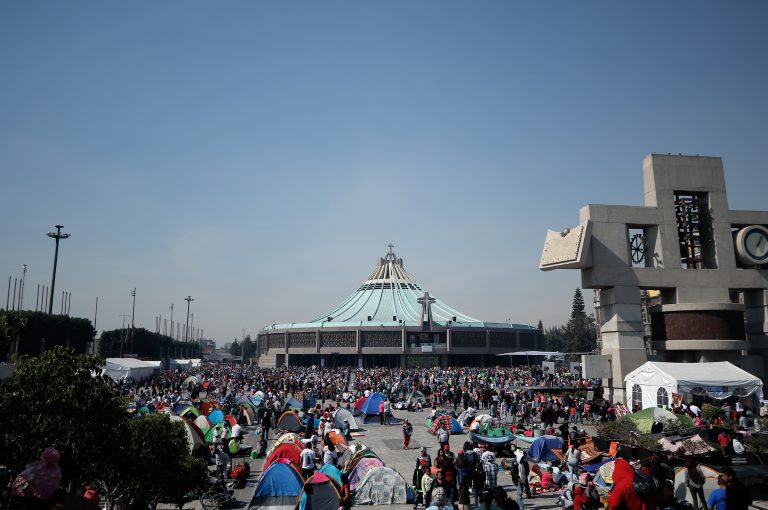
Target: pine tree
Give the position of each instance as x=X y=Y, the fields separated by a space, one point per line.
x=540 y=327
x=577 y=307
x=580 y=331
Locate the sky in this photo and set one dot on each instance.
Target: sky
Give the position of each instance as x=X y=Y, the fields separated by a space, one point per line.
x=260 y=156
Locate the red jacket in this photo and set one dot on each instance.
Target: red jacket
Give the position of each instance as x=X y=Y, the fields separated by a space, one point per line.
x=579 y=498
x=623 y=495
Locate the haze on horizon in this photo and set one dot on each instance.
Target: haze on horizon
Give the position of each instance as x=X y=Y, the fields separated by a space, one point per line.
x=261 y=156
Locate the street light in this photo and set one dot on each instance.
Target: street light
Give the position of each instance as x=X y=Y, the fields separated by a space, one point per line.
x=188 y=299
x=55 y=235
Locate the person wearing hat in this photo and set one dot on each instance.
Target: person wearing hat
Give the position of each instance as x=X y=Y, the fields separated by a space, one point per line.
x=345 y=429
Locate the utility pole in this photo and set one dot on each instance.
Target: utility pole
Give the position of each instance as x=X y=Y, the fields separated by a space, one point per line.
x=122 y=338
x=95 y=331
x=133 y=293
x=57 y=236
x=21 y=293
x=188 y=299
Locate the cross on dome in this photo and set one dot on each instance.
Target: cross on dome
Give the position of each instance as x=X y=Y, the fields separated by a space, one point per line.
x=426 y=308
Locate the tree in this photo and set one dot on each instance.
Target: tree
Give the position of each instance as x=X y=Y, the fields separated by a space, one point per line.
x=55 y=400
x=235 y=349
x=554 y=339
x=154 y=464
x=248 y=347
x=540 y=327
x=579 y=333
x=12 y=324
x=577 y=307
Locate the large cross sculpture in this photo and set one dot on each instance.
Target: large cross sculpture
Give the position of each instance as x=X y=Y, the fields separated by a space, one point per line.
x=426 y=308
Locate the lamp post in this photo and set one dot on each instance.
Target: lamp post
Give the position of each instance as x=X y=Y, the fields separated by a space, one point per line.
x=57 y=236
x=188 y=299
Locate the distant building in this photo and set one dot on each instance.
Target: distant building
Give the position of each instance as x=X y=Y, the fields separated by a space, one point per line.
x=390 y=320
x=208 y=349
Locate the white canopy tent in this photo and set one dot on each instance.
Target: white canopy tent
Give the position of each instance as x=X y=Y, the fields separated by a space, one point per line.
x=653 y=383
x=119 y=369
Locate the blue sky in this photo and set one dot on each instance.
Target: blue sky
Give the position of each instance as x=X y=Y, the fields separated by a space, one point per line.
x=260 y=156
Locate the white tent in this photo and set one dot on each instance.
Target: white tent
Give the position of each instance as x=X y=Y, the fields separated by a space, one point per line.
x=653 y=383
x=130 y=368
x=183 y=364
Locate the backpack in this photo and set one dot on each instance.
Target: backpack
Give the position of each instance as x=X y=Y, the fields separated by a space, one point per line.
x=645 y=486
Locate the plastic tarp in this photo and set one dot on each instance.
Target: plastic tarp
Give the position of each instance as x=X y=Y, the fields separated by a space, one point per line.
x=340 y=415
x=325 y=494
x=717 y=380
x=416 y=397
x=448 y=422
x=383 y=486
x=604 y=474
x=541 y=448
x=466 y=417
x=290 y=422
x=120 y=369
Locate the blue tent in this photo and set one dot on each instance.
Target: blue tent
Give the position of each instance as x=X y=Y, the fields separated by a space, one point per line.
x=293 y=404
x=279 y=480
x=332 y=471
x=541 y=448
x=216 y=416
x=371 y=405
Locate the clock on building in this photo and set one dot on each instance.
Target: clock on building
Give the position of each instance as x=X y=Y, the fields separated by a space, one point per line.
x=752 y=245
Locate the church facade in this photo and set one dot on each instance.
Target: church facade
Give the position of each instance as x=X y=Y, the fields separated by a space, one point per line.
x=391 y=321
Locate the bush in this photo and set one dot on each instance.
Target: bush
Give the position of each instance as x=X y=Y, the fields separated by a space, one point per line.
x=710 y=412
x=622 y=429
x=757 y=443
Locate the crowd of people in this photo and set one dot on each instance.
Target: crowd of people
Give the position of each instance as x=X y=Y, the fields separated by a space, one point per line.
x=521 y=398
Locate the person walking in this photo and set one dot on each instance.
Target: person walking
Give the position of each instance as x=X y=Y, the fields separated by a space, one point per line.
x=694 y=480
x=307 y=460
x=407 y=433
x=443 y=437
x=387 y=412
x=381 y=412
x=573 y=458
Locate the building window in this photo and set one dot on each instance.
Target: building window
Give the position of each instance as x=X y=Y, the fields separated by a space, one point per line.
x=637 y=397
x=662 y=398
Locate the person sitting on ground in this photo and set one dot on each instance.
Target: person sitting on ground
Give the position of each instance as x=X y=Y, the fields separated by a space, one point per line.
x=549 y=481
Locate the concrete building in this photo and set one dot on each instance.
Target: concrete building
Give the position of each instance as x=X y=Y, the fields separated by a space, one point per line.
x=705 y=264
x=390 y=320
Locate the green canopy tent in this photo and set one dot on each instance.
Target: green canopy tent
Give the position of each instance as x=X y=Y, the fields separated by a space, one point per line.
x=647 y=417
